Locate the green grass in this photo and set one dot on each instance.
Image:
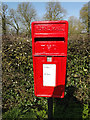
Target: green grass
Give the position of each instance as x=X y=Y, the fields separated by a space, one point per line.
x=67 y=108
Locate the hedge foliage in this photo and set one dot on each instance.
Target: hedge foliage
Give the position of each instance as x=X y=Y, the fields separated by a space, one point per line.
x=78 y=67
x=17 y=68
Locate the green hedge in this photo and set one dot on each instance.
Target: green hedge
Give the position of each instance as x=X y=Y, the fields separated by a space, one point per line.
x=18 y=90
x=78 y=68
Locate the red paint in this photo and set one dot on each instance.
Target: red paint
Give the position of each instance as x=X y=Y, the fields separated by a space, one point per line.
x=49 y=38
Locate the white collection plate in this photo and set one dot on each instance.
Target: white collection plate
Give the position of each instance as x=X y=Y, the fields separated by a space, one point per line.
x=49 y=74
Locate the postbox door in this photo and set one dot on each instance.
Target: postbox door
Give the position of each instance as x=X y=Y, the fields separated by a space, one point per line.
x=49 y=84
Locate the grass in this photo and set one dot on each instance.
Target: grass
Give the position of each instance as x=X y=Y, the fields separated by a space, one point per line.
x=70 y=108
x=67 y=108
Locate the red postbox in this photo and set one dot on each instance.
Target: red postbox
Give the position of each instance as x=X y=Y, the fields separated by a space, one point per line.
x=49 y=51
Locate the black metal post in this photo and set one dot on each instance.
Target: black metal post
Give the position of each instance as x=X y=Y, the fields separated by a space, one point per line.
x=50 y=108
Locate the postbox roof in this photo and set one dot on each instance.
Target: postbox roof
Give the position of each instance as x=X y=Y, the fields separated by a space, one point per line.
x=56 y=21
